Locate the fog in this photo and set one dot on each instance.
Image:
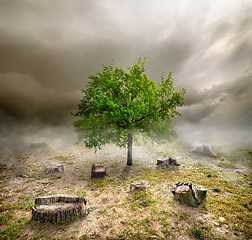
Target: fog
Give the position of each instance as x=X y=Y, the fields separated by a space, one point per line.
x=47 y=51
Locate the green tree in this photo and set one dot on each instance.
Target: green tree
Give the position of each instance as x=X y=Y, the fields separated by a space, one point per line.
x=117 y=103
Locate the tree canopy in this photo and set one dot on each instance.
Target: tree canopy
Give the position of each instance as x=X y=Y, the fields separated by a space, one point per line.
x=116 y=103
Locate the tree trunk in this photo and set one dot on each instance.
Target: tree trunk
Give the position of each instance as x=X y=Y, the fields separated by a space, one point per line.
x=129 y=157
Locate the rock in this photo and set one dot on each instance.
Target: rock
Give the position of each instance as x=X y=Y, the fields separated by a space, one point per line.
x=54 y=167
x=221 y=230
x=215 y=223
x=58 y=208
x=137 y=186
x=98 y=171
x=189 y=194
x=167 y=161
x=201 y=220
x=25 y=175
x=222 y=219
x=204 y=149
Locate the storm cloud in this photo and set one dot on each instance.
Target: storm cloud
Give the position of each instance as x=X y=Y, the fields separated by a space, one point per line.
x=49 y=48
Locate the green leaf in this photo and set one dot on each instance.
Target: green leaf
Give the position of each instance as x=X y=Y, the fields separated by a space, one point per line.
x=116 y=102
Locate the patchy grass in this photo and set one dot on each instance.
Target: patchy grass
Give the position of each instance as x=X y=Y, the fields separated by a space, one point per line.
x=81 y=192
x=233 y=201
x=139 y=199
x=117 y=213
x=21 y=205
x=13 y=229
x=197 y=233
x=83 y=178
x=102 y=183
x=226 y=165
x=63 y=159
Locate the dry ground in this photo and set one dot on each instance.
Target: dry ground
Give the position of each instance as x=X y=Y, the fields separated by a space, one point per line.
x=116 y=213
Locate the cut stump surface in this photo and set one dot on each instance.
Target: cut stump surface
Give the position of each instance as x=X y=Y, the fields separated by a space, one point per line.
x=98 y=171
x=189 y=194
x=58 y=208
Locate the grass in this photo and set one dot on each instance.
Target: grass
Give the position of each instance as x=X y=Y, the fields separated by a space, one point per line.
x=13 y=229
x=21 y=204
x=61 y=158
x=226 y=165
x=82 y=178
x=197 y=233
x=11 y=225
x=139 y=199
x=102 y=183
x=233 y=202
x=81 y=192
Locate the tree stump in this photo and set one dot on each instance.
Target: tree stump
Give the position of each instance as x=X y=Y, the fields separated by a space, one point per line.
x=191 y=195
x=54 y=167
x=137 y=186
x=59 y=208
x=167 y=161
x=199 y=193
x=204 y=149
x=98 y=171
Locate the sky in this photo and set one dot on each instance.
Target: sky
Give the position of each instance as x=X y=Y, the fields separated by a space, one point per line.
x=49 y=48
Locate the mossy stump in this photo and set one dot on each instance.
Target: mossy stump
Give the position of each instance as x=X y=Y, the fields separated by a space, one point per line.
x=191 y=195
x=59 y=208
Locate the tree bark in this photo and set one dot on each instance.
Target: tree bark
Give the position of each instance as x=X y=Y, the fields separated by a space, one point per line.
x=199 y=193
x=59 y=208
x=185 y=196
x=129 y=157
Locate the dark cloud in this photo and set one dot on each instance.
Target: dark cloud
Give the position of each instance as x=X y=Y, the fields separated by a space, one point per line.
x=23 y=99
x=48 y=49
x=221 y=99
x=224 y=112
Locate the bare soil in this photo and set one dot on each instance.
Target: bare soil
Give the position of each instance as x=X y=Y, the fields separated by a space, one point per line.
x=117 y=213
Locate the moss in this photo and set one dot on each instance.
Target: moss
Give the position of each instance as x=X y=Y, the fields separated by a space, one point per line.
x=226 y=165
x=139 y=199
x=81 y=192
x=235 y=213
x=102 y=183
x=197 y=233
